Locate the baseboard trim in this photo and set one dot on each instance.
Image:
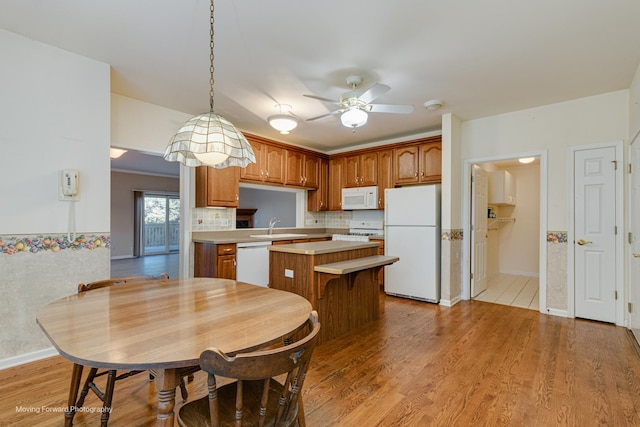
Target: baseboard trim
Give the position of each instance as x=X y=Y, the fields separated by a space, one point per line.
x=556 y=312
x=33 y=356
x=519 y=273
x=450 y=303
x=122 y=257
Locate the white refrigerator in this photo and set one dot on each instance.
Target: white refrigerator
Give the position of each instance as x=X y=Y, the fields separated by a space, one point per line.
x=412 y=233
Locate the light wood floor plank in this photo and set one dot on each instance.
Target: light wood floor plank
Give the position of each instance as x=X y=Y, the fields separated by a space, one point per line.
x=420 y=365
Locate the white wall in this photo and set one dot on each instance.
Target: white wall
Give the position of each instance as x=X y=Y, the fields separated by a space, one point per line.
x=54 y=114
x=554 y=128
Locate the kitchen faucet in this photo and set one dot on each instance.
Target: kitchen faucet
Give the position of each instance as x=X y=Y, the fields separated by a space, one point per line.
x=272 y=222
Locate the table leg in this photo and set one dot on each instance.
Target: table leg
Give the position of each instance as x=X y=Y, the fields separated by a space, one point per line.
x=166 y=382
x=76 y=375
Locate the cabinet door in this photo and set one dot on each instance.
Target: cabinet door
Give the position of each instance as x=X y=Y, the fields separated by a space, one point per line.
x=318 y=200
x=385 y=174
x=431 y=162
x=405 y=165
x=295 y=162
x=351 y=171
x=217 y=187
x=226 y=267
x=336 y=176
x=311 y=171
x=274 y=164
x=255 y=171
x=368 y=169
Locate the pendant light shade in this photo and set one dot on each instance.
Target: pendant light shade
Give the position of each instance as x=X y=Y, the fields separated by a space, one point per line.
x=209 y=139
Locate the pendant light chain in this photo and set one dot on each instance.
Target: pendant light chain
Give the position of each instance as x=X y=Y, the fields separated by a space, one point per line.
x=211 y=60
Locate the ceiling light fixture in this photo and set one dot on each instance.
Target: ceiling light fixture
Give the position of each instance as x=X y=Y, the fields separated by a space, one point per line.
x=115 y=153
x=354 y=117
x=526 y=160
x=284 y=121
x=209 y=139
x=433 y=105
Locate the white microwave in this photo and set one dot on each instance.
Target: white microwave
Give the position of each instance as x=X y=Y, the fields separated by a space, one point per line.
x=360 y=198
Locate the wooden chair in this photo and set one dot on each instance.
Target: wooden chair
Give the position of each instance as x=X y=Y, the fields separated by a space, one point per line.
x=107 y=395
x=257 y=398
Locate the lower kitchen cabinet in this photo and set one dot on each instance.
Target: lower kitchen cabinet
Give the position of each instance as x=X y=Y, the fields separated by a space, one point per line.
x=211 y=260
x=380 y=252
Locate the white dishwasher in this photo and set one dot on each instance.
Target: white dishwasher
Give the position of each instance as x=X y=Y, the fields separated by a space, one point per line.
x=252 y=263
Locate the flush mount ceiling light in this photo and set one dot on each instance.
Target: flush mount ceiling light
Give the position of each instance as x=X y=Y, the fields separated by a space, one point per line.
x=433 y=105
x=114 y=153
x=284 y=121
x=526 y=160
x=209 y=139
x=354 y=117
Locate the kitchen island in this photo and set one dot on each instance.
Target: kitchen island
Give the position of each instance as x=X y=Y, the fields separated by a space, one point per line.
x=339 y=278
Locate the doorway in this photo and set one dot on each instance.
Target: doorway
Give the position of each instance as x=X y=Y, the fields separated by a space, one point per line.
x=634 y=236
x=510 y=228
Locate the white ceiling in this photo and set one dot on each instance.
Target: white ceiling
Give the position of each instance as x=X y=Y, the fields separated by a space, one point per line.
x=481 y=57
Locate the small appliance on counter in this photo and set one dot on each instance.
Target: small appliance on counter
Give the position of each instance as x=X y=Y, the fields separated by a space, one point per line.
x=362 y=231
x=412 y=233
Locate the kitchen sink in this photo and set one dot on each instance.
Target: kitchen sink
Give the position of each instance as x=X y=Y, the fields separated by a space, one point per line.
x=277 y=236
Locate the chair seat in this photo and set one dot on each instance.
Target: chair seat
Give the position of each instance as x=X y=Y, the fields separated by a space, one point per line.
x=196 y=413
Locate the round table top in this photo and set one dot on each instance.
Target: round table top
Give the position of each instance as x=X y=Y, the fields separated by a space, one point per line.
x=168 y=323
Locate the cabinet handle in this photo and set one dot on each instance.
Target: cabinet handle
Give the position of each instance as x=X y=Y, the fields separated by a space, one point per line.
x=237 y=197
x=415 y=174
x=261 y=172
x=422 y=174
x=267 y=173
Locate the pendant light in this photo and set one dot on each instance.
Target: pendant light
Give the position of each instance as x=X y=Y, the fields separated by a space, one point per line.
x=209 y=139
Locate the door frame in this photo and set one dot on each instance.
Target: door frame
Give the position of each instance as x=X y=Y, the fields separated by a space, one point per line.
x=466 y=221
x=633 y=295
x=619 y=239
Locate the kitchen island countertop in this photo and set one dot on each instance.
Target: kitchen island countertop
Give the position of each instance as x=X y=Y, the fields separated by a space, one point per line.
x=317 y=248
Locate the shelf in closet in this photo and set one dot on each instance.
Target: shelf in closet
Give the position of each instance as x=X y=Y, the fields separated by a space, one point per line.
x=499 y=220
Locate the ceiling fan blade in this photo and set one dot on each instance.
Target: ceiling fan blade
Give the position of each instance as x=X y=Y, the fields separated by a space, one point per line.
x=373 y=92
x=389 y=108
x=319 y=98
x=325 y=115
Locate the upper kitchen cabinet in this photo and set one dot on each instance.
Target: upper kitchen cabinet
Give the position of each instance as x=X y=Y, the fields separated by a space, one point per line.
x=336 y=182
x=502 y=188
x=318 y=200
x=421 y=163
x=361 y=170
x=385 y=174
x=301 y=169
x=217 y=187
x=269 y=165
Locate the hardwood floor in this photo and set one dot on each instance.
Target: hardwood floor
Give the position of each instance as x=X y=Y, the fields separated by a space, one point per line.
x=473 y=364
x=150 y=264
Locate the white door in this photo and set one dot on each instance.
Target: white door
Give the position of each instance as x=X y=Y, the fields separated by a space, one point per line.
x=594 y=233
x=634 y=214
x=479 y=191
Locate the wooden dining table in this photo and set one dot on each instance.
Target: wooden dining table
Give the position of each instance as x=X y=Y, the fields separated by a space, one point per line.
x=164 y=325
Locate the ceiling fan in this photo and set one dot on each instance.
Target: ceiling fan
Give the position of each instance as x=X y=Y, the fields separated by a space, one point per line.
x=354 y=105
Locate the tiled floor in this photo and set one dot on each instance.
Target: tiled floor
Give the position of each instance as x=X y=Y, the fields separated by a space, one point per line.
x=509 y=289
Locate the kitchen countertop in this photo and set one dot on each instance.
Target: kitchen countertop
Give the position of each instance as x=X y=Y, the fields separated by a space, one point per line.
x=315 y=248
x=244 y=236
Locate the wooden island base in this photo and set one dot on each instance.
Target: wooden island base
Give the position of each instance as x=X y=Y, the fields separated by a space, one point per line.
x=340 y=279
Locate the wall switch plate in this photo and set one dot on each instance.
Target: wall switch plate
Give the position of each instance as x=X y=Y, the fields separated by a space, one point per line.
x=288 y=273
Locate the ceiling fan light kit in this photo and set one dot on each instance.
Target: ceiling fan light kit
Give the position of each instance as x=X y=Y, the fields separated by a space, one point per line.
x=354 y=105
x=354 y=117
x=209 y=139
x=283 y=122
